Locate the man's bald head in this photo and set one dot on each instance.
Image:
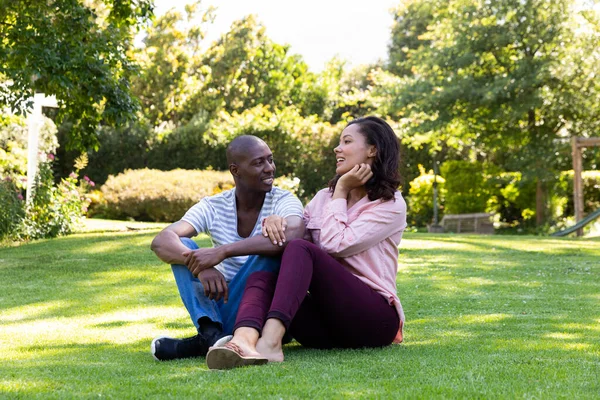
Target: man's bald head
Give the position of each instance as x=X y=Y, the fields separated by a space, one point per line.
x=240 y=147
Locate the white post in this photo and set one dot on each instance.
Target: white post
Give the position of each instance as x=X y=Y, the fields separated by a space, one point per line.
x=34 y=122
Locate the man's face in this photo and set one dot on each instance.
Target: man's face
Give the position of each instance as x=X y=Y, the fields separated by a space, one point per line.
x=256 y=170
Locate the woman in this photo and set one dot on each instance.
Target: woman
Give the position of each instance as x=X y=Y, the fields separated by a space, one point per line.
x=339 y=288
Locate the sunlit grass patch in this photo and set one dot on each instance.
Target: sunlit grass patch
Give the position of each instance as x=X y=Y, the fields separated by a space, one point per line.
x=487 y=317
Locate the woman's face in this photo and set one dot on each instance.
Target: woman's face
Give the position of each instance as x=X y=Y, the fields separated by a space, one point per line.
x=352 y=150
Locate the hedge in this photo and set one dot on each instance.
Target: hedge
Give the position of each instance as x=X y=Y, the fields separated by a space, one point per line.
x=466 y=189
x=163 y=196
x=153 y=195
x=420 y=198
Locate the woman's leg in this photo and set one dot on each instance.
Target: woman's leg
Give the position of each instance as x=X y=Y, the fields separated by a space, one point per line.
x=253 y=308
x=310 y=327
x=353 y=313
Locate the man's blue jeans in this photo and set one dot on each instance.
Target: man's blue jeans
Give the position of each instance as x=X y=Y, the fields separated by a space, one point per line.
x=198 y=305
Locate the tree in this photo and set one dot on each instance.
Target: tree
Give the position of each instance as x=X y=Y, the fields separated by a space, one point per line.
x=167 y=60
x=75 y=50
x=244 y=68
x=498 y=78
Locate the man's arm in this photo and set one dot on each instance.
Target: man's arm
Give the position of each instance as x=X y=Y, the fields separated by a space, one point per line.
x=263 y=245
x=168 y=246
x=201 y=259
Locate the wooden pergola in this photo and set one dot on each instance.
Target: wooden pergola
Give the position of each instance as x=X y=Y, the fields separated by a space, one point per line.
x=577 y=143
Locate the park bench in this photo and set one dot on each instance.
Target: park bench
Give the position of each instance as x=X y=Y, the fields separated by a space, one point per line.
x=468 y=223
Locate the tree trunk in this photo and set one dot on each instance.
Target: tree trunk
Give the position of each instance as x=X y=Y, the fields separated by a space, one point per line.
x=540 y=187
x=540 y=203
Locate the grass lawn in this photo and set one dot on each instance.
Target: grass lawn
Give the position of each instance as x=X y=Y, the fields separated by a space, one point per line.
x=487 y=317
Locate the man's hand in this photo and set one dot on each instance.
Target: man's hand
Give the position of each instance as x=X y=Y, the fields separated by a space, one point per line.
x=215 y=286
x=274 y=228
x=202 y=259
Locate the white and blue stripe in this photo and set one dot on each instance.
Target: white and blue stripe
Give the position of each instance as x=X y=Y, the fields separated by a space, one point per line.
x=217 y=216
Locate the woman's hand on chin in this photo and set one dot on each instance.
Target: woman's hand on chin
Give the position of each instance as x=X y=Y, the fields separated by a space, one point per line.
x=355 y=178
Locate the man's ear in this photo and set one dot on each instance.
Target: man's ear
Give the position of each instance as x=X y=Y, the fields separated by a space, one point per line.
x=233 y=168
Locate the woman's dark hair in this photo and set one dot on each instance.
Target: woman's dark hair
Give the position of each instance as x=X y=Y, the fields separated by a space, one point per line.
x=385 y=178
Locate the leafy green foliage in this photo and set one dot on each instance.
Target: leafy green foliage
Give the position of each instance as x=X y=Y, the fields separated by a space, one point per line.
x=563 y=192
x=466 y=189
x=510 y=196
x=13 y=147
x=161 y=196
x=121 y=148
x=55 y=210
x=302 y=147
x=500 y=81
x=420 y=198
x=170 y=70
x=244 y=69
x=12 y=210
x=188 y=147
x=73 y=51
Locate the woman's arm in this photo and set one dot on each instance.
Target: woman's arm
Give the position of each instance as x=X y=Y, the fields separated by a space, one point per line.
x=342 y=239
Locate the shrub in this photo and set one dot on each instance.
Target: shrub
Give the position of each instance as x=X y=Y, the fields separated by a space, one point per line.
x=420 y=199
x=466 y=189
x=13 y=147
x=562 y=193
x=512 y=198
x=188 y=147
x=55 y=209
x=162 y=196
x=302 y=146
x=126 y=147
x=12 y=210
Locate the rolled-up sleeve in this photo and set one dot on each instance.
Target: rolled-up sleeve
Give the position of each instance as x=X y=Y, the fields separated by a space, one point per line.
x=342 y=239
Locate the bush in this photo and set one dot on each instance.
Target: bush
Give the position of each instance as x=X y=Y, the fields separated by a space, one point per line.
x=161 y=196
x=420 y=199
x=13 y=147
x=302 y=146
x=12 y=210
x=466 y=188
x=562 y=193
x=55 y=210
x=120 y=148
x=188 y=147
x=512 y=198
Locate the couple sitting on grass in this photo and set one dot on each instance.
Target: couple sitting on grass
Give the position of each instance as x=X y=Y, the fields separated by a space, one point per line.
x=324 y=276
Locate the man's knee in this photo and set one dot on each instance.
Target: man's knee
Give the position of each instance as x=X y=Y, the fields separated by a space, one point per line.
x=262 y=263
x=189 y=243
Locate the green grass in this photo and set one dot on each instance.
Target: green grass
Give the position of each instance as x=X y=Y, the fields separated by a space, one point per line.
x=487 y=317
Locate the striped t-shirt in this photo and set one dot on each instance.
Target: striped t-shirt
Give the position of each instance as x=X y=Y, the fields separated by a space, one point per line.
x=217 y=216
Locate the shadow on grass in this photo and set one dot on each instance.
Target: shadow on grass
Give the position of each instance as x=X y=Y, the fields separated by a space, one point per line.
x=481 y=312
x=83 y=273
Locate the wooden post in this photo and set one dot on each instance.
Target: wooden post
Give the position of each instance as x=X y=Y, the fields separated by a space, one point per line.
x=34 y=121
x=577 y=182
x=576 y=144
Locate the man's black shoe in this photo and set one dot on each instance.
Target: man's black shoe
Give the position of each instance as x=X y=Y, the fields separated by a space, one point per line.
x=165 y=348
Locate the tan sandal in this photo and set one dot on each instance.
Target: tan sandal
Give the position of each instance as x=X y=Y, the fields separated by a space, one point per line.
x=230 y=356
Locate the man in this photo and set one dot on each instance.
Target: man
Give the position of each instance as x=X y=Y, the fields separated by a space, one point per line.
x=211 y=280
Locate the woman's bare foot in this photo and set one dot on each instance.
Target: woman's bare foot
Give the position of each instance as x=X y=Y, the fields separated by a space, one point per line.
x=270 y=350
x=247 y=349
